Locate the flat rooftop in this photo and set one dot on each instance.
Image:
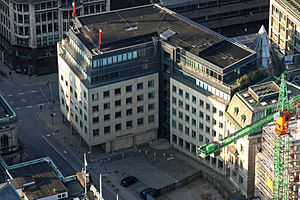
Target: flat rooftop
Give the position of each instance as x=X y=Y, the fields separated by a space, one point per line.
x=254 y=93
x=40 y=180
x=137 y=25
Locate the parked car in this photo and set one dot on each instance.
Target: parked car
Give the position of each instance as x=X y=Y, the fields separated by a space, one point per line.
x=128 y=181
x=144 y=192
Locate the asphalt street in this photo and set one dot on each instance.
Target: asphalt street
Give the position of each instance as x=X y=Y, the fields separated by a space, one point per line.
x=39 y=141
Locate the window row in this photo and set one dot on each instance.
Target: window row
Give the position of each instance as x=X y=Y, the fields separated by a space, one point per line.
x=128 y=89
x=129 y=125
x=46 y=16
x=47 y=40
x=179 y=126
x=46 y=28
x=213 y=90
x=114 y=59
x=45 y=5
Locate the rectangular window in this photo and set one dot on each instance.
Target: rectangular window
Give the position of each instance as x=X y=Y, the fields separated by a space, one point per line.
x=150 y=106
x=200 y=138
x=95 y=132
x=118 y=91
x=193 y=122
x=129 y=124
x=106 y=94
x=95 y=108
x=207 y=129
x=187 y=95
x=118 y=127
x=140 y=121
x=120 y=58
x=109 y=60
x=95 y=97
x=187 y=130
x=139 y=86
x=173 y=123
x=207 y=106
x=117 y=103
x=114 y=59
x=106 y=106
x=180 y=127
x=201 y=115
x=95 y=120
x=214 y=110
x=151 y=84
x=207 y=118
x=106 y=129
x=106 y=117
x=174 y=100
x=180 y=92
x=193 y=134
x=150 y=95
x=180 y=115
x=124 y=56
x=174 y=89
x=150 y=119
x=140 y=97
x=200 y=126
x=193 y=111
x=128 y=88
x=134 y=54
x=187 y=118
x=174 y=111
x=129 y=100
x=129 y=55
x=194 y=99
x=180 y=104
x=140 y=109
x=187 y=107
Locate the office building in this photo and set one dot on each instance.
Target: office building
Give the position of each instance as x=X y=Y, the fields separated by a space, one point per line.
x=29 y=30
x=284 y=26
x=9 y=144
x=154 y=73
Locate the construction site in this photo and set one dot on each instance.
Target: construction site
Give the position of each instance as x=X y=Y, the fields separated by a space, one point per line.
x=264 y=170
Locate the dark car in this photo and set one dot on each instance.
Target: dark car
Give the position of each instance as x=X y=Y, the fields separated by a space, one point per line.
x=144 y=192
x=128 y=181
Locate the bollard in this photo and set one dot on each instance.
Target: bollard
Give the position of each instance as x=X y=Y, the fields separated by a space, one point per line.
x=164 y=154
x=139 y=151
x=154 y=154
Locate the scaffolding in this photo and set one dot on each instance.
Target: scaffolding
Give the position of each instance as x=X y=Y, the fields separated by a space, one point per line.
x=264 y=168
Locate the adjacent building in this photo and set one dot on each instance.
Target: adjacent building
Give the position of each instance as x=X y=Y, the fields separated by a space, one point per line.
x=221 y=13
x=247 y=107
x=9 y=144
x=284 y=25
x=29 y=30
x=155 y=74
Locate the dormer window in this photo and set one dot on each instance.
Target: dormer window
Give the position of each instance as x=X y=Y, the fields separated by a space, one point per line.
x=243 y=117
x=236 y=110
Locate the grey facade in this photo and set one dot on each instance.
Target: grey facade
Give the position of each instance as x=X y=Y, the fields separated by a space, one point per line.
x=30 y=29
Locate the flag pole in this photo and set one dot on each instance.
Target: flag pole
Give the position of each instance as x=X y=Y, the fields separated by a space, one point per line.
x=85 y=164
x=100 y=186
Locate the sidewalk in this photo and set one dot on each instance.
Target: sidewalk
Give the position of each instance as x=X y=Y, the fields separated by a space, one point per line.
x=24 y=79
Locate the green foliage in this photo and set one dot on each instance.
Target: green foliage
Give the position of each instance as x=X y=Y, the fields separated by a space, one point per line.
x=251 y=78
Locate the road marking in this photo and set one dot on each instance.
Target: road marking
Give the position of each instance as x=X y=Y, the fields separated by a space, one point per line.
x=11 y=102
x=9 y=95
x=21 y=93
x=28 y=106
x=44 y=95
x=32 y=91
x=65 y=152
x=23 y=100
x=40 y=104
x=17 y=108
x=48 y=135
x=60 y=153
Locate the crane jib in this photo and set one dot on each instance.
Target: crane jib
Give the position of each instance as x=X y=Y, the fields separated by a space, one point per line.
x=207 y=149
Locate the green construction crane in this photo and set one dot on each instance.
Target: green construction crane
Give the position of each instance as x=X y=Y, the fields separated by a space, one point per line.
x=281 y=148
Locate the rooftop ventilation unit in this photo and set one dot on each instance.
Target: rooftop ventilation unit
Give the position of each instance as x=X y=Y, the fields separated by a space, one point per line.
x=263 y=103
x=130 y=28
x=251 y=101
x=246 y=95
x=274 y=101
x=167 y=34
x=75 y=29
x=289 y=92
x=96 y=51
